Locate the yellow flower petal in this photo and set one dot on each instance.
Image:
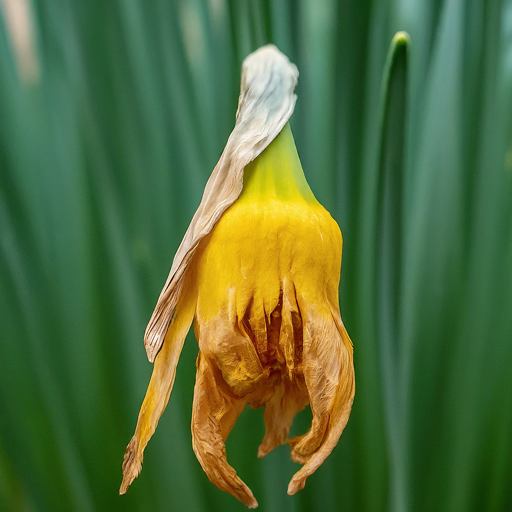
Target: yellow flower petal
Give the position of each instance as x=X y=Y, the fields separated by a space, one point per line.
x=160 y=385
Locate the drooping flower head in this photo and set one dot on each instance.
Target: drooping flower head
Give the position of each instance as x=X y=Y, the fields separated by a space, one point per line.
x=258 y=272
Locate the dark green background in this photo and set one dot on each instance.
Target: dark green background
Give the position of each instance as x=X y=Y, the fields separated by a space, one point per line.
x=103 y=160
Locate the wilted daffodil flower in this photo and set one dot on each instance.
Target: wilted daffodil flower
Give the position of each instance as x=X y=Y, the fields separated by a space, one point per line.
x=258 y=273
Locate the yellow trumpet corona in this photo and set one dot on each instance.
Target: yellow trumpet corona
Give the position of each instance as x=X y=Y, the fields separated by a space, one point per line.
x=262 y=289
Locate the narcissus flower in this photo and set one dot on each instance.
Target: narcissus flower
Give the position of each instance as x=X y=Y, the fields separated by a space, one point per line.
x=258 y=272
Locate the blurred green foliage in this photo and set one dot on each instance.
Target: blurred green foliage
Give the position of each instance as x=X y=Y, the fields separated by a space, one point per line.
x=104 y=152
